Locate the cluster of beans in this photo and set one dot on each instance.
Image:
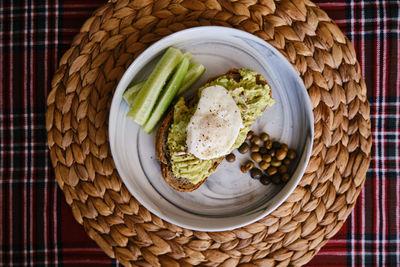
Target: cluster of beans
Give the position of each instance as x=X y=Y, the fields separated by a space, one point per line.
x=273 y=159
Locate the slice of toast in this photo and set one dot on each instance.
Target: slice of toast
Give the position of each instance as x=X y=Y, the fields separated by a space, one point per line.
x=162 y=154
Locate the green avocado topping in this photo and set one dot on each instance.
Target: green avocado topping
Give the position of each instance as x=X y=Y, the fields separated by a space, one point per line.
x=252 y=95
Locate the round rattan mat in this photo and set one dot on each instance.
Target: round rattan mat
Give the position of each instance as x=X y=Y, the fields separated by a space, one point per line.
x=77 y=115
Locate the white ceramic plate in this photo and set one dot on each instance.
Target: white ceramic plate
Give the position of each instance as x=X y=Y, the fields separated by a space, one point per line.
x=228 y=199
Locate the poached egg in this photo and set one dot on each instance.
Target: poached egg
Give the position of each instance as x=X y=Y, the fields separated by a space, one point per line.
x=215 y=125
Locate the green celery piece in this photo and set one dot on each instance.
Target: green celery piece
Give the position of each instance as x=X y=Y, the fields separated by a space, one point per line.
x=194 y=72
x=145 y=100
x=130 y=93
x=188 y=55
x=193 y=67
x=167 y=96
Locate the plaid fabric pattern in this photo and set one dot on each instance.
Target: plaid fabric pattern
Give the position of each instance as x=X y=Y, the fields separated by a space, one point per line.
x=37 y=226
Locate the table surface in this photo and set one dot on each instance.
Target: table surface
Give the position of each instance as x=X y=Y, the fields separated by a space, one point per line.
x=37 y=226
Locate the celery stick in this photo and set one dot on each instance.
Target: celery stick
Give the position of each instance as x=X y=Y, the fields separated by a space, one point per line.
x=130 y=93
x=188 y=55
x=194 y=72
x=167 y=96
x=146 y=98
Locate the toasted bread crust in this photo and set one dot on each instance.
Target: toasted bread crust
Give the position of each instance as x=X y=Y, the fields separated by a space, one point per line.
x=162 y=155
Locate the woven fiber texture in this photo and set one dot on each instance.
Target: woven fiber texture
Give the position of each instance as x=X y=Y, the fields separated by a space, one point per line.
x=78 y=108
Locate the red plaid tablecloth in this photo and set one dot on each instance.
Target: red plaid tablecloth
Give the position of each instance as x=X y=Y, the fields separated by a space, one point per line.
x=36 y=224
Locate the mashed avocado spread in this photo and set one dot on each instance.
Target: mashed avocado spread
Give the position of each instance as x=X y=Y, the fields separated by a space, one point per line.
x=252 y=95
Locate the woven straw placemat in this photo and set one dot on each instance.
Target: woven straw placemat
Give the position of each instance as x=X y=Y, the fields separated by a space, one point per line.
x=77 y=115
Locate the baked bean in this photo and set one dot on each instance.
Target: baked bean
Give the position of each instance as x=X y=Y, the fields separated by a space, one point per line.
x=276 y=144
x=230 y=157
x=281 y=154
x=249 y=135
x=254 y=148
x=264 y=137
x=271 y=171
x=249 y=165
x=264 y=165
x=291 y=154
x=285 y=177
x=268 y=144
x=276 y=179
x=255 y=173
x=286 y=161
x=282 y=169
x=243 y=148
x=243 y=169
x=265 y=180
x=263 y=150
x=271 y=152
x=275 y=162
x=256 y=156
x=266 y=158
x=284 y=147
x=256 y=140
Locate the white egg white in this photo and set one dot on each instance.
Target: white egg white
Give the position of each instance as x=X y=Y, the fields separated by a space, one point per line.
x=215 y=125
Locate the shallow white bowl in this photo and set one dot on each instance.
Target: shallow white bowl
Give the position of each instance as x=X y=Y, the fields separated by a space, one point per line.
x=228 y=199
